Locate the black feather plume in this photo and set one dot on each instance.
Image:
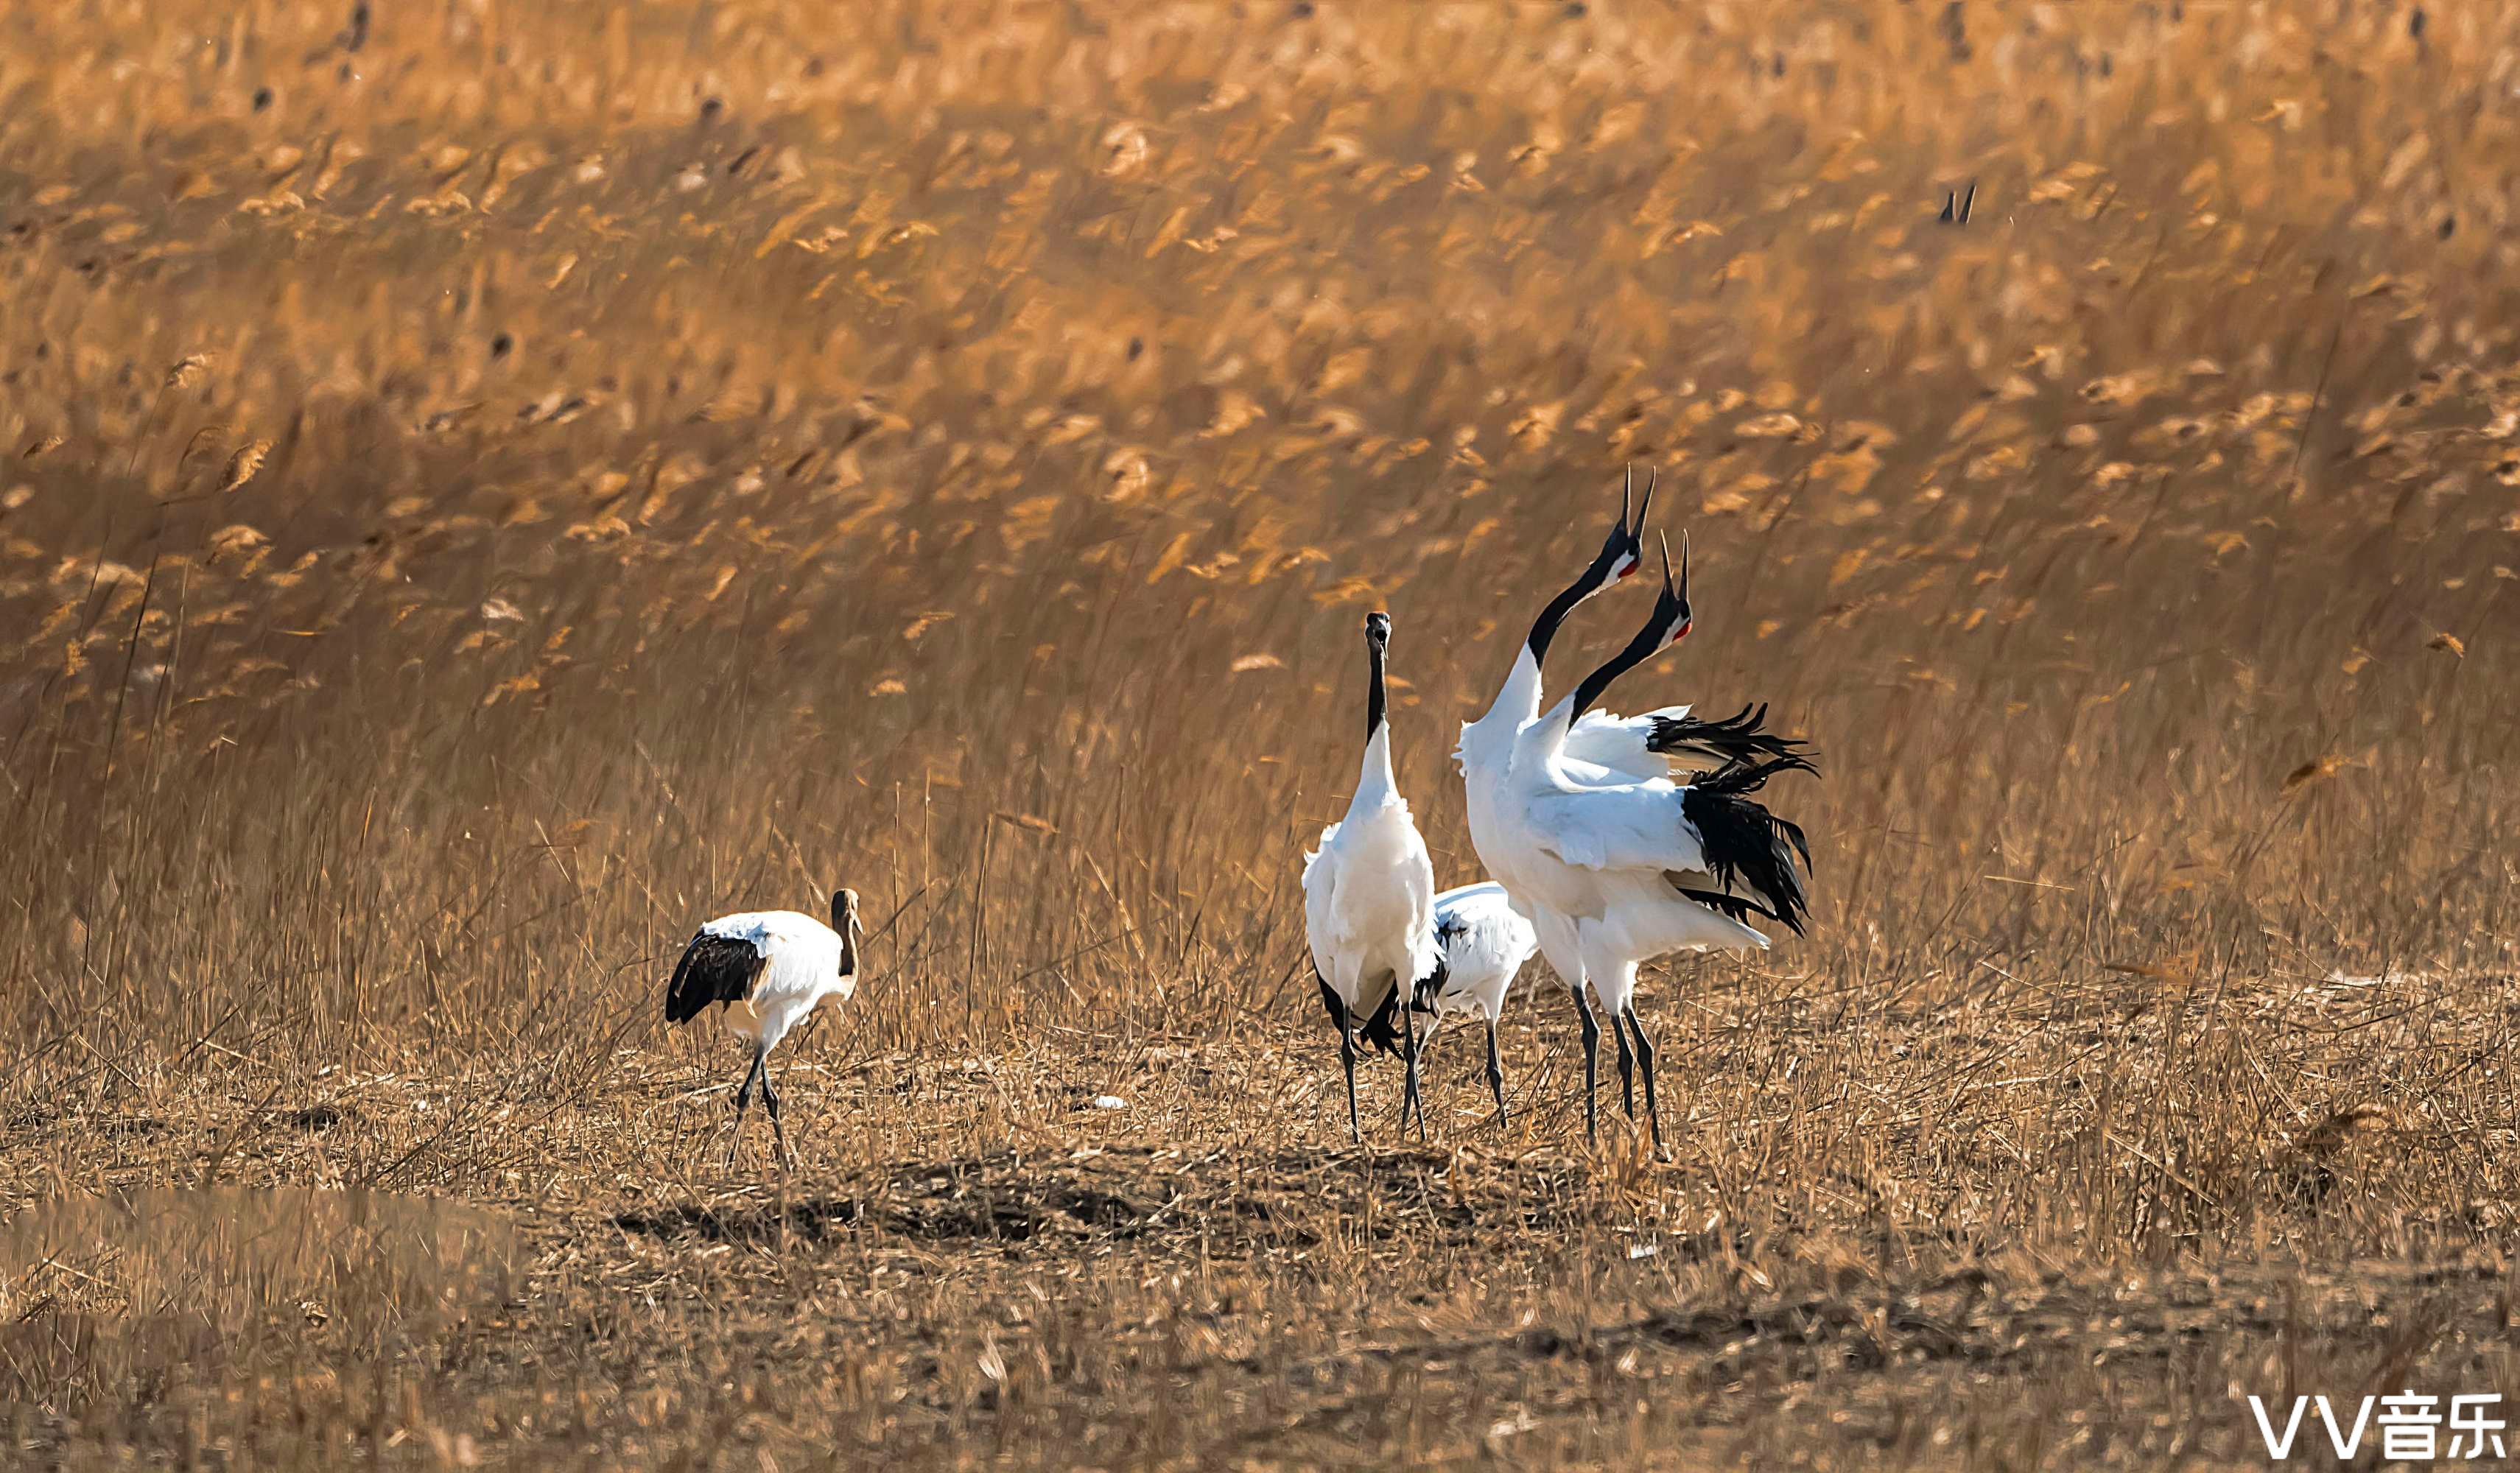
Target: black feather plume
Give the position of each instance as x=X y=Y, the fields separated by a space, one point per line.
x=1747 y=848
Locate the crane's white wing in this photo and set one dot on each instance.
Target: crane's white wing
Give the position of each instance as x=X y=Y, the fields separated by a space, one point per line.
x=1480 y=933
x=1637 y=825
x=1662 y=742
x=1370 y=898
x=1395 y=904
x=1320 y=902
x=800 y=956
x=1617 y=745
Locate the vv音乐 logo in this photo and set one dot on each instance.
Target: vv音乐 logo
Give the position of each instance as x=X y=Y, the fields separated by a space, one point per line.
x=2410 y=1428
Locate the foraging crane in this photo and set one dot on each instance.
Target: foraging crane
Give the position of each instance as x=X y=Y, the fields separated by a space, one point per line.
x=1485 y=942
x=767 y=970
x=1614 y=874
x=1369 y=900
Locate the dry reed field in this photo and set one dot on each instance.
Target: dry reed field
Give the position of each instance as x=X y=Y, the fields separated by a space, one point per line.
x=486 y=486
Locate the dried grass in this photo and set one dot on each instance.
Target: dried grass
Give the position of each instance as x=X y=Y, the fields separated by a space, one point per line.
x=660 y=459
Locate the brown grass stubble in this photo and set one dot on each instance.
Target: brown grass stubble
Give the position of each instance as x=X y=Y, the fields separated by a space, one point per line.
x=481 y=510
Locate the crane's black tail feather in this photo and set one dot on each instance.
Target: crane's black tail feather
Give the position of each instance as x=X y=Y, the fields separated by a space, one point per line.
x=1382 y=1029
x=1431 y=986
x=714 y=969
x=1740 y=736
x=1379 y=1029
x=1743 y=842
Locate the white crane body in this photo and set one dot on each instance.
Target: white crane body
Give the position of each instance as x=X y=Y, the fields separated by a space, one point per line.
x=765 y=971
x=1575 y=813
x=1369 y=900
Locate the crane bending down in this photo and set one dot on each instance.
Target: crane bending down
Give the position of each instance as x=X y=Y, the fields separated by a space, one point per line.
x=766 y=969
x=1370 y=902
x=1484 y=944
x=1615 y=872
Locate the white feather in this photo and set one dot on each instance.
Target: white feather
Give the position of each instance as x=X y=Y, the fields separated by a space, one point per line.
x=801 y=966
x=1485 y=944
x=1608 y=749
x=1370 y=893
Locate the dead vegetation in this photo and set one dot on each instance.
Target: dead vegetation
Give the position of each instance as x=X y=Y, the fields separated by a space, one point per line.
x=486 y=486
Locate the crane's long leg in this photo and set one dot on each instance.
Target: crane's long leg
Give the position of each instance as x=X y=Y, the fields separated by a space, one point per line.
x=778 y=1133
x=744 y=1102
x=1646 y=1062
x=1496 y=1075
x=1591 y=1057
x=1627 y=1067
x=1347 y=1062
x=1426 y=1061
x=1409 y=1055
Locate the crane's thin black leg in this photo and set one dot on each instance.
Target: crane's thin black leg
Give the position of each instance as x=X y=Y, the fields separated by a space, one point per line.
x=1646 y=1062
x=744 y=1102
x=1410 y=1098
x=1627 y=1066
x=1426 y=1059
x=778 y=1133
x=1496 y=1075
x=1347 y=1062
x=1591 y=1064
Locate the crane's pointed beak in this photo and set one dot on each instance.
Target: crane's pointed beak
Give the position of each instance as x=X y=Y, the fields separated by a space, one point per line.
x=1652 y=479
x=1688 y=616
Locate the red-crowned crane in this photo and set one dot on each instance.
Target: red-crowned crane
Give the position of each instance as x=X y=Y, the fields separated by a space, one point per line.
x=1595 y=749
x=1615 y=872
x=766 y=970
x=1369 y=901
x=1484 y=942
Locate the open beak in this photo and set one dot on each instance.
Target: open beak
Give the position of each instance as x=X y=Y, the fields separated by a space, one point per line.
x=1681 y=597
x=1632 y=521
x=1675 y=599
x=1626 y=512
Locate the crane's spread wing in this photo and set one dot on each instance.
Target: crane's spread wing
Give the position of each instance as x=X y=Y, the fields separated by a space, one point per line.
x=1710 y=841
x=714 y=969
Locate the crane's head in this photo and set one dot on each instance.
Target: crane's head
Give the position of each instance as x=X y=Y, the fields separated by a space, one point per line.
x=1667 y=626
x=1623 y=552
x=1672 y=616
x=844 y=913
x=1377 y=629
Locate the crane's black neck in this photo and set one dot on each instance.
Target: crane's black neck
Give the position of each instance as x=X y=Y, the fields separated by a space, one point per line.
x=1640 y=650
x=1545 y=628
x=1374 y=698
